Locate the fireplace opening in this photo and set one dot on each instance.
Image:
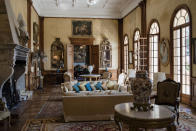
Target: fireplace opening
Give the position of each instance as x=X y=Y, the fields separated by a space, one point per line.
x=13 y=86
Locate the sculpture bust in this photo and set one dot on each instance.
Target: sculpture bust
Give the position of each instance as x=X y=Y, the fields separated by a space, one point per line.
x=141 y=87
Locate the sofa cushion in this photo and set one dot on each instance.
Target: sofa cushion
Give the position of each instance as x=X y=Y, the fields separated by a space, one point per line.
x=82 y=86
x=88 y=87
x=98 y=86
x=76 y=88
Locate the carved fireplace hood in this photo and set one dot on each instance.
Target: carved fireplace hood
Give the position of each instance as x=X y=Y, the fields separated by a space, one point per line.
x=13 y=56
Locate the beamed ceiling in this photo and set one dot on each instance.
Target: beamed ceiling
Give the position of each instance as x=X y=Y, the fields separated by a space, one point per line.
x=68 y=8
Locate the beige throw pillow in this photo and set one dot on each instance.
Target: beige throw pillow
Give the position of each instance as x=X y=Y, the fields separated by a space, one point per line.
x=93 y=83
x=112 y=85
x=82 y=86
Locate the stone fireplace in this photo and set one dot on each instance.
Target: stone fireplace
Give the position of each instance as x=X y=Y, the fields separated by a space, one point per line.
x=13 y=61
x=13 y=56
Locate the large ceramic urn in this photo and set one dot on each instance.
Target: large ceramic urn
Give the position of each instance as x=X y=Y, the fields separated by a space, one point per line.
x=141 y=87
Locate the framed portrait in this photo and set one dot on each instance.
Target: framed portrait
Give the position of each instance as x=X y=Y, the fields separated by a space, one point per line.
x=82 y=28
x=164 y=52
x=194 y=50
x=130 y=57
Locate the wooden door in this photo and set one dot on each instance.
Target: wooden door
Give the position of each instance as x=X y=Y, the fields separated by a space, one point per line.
x=94 y=58
x=70 y=59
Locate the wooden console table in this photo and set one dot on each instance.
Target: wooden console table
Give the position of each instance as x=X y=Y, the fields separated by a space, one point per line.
x=53 y=78
x=159 y=117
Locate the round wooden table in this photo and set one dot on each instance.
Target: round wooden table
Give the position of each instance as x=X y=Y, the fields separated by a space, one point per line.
x=90 y=76
x=158 y=117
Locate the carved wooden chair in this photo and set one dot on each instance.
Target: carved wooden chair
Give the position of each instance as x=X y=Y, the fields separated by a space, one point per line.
x=168 y=94
x=106 y=75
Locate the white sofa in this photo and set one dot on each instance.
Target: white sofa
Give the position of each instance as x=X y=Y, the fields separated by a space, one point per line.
x=92 y=105
x=88 y=108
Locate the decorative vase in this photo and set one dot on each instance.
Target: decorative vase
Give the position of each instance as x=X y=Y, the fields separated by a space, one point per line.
x=141 y=87
x=90 y=68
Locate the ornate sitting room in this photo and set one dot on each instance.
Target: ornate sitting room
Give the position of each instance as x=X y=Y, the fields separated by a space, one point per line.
x=97 y=65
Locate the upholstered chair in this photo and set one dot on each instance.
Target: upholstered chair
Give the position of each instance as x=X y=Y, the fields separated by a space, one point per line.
x=168 y=94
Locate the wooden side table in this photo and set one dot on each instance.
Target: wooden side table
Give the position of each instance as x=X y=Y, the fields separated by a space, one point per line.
x=159 y=117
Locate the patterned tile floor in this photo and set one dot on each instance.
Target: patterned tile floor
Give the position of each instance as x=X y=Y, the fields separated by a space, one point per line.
x=32 y=109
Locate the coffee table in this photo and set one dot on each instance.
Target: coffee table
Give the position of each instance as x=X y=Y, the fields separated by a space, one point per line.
x=90 y=76
x=159 y=117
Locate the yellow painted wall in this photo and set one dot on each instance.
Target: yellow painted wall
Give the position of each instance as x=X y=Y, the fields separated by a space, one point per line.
x=130 y=23
x=19 y=6
x=34 y=18
x=62 y=28
x=162 y=10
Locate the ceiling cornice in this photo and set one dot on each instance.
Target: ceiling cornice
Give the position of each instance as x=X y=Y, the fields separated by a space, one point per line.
x=129 y=8
x=36 y=6
x=81 y=13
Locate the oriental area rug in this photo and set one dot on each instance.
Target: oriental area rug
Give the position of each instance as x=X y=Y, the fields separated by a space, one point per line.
x=187 y=123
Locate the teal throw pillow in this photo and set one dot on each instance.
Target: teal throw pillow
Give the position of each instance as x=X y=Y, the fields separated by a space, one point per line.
x=88 y=87
x=76 y=88
x=98 y=86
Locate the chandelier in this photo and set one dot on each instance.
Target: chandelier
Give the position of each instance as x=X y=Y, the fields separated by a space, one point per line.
x=91 y=2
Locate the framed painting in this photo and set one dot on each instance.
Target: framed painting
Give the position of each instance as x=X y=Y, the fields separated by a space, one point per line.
x=35 y=32
x=164 y=52
x=82 y=28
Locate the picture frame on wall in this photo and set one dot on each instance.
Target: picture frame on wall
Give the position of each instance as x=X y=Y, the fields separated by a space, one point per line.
x=81 y=28
x=130 y=57
x=194 y=50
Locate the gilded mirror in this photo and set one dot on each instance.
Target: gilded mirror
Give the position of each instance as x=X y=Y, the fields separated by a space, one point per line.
x=105 y=54
x=57 y=54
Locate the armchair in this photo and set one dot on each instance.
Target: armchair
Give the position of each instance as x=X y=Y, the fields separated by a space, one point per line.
x=168 y=94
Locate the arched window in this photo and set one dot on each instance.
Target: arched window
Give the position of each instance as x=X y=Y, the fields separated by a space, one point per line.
x=126 y=51
x=154 y=36
x=181 y=49
x=136 y=44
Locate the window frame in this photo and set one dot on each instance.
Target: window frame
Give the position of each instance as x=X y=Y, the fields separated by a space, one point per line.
x=124 y=53
x=137 y=29
x=148 y=40
x=184 y=98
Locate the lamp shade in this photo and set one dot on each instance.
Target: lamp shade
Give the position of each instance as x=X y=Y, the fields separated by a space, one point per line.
x=131 y=73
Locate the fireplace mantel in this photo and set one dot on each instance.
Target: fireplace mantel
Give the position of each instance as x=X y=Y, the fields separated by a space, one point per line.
x=9 y=54
x=82 y=40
